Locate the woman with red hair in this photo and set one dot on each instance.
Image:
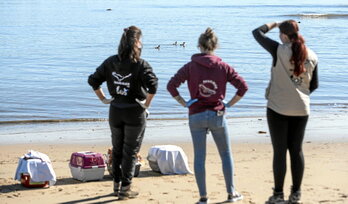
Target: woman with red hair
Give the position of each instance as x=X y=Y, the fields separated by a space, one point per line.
x=294 y=76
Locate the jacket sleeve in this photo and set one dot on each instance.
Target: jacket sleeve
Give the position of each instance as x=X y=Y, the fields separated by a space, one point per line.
x=98 y=77
x=268 y=44
x=180 y=77
x=149 y=79
x=237 y=81
x=314 y=84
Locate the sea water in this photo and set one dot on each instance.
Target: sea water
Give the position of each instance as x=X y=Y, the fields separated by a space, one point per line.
x=49 y=48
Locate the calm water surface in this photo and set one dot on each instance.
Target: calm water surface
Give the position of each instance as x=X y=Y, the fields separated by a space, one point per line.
x=49 y=48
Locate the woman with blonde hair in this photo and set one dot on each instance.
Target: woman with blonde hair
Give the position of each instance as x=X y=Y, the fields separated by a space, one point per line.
x=294 y=76
x=207 y=76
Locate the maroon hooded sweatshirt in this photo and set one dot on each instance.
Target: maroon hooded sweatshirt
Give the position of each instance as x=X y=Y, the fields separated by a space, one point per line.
x=207 y=76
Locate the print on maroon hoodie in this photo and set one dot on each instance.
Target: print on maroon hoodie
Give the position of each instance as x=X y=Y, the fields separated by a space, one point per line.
x=206 y=76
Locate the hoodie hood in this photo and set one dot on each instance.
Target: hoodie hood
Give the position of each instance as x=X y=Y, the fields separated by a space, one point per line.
x=206 y=60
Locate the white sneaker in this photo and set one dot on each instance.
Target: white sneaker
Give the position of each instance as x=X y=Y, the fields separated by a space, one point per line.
x=295 y=198
x=234 y=197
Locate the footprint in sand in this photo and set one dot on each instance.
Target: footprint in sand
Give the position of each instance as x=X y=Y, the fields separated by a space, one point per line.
x=269 y=181
x=245 y=193
x=217 y=175
x=342 y=195
x=214 y=193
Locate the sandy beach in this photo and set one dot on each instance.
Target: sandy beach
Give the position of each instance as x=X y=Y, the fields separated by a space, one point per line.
x=325 y=148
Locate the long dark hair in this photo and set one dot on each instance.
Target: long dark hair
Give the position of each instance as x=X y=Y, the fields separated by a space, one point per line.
x=299 y=51
x=208 y=40
x=128 y=48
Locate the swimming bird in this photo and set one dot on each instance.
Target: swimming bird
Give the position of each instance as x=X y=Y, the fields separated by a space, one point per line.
x=158 y=47
x=109 y=9
x=183 y=44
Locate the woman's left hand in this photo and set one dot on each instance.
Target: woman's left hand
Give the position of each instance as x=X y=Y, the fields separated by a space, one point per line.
x=107 y=101
x=226 y=104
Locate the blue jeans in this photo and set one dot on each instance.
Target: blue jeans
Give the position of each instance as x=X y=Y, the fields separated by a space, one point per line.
x=200 y=123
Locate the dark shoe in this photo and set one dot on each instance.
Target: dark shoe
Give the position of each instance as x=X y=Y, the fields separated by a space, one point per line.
x=127 y=193
x=116 y=188
x=295 y=197
x=203 y=200
x=276 y=198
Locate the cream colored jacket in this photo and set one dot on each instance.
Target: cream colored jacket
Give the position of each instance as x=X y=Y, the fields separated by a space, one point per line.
x=286 y=93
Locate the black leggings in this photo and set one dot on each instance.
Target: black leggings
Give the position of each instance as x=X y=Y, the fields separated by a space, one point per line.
x=287 y=133
x=127 y=131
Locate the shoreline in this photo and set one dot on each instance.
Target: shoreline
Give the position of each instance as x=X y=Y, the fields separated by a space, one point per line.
x=329 y=110
x=320 y=127
x=81 y=120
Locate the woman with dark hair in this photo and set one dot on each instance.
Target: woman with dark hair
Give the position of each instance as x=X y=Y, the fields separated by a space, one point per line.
x=294 y=76
x=207 y=77
x=132 y=85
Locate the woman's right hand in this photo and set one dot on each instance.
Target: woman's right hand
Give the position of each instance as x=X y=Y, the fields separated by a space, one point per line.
x=226 y=104
x=273 y=25
x=233 y=101
x=142 y=103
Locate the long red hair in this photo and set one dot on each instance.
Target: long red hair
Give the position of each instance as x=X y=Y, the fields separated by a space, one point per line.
x=299 y=51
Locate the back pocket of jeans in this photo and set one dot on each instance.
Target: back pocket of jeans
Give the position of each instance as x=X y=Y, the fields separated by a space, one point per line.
x=219 y=121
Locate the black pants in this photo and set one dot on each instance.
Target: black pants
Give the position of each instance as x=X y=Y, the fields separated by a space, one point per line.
x=287 y=133
x=127 y=131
